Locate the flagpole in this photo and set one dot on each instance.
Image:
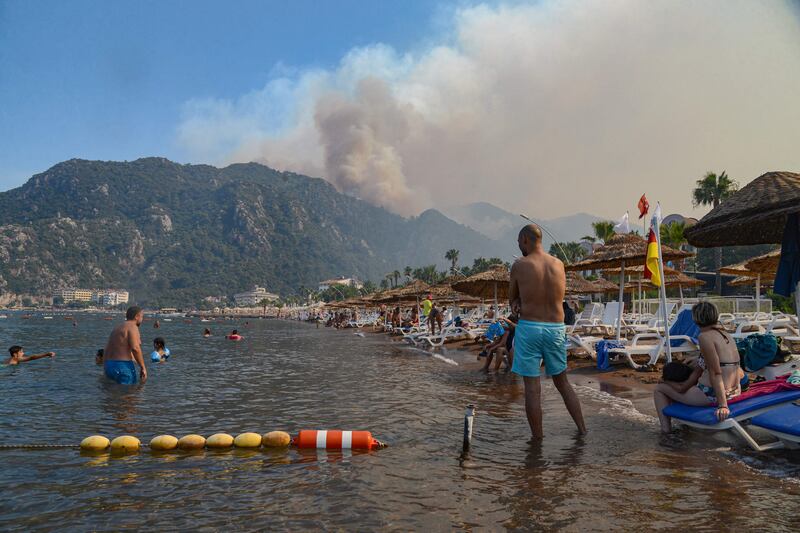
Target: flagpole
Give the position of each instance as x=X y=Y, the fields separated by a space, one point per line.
x=662 y=289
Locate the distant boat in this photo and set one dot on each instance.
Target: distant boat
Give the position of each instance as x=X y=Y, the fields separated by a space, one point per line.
x=3 y=316
x=47 y=318
x=167 y=319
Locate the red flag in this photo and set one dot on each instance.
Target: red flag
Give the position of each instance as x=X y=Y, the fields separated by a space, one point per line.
x=644 y=206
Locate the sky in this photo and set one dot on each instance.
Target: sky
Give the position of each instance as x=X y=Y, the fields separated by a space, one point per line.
x=548 y=107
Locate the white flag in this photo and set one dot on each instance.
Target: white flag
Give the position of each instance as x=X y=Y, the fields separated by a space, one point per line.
x=657 y=213
x=622 y=226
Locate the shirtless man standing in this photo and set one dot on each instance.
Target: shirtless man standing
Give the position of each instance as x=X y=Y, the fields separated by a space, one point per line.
x=536 y=292
x=123 y=348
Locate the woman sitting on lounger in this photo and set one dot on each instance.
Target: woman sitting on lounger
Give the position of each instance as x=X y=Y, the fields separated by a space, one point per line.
x=715 y=380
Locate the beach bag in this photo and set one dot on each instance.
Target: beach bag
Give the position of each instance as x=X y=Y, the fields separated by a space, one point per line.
x=757 y=351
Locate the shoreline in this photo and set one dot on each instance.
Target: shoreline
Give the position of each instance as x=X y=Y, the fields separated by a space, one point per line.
x=621 y=381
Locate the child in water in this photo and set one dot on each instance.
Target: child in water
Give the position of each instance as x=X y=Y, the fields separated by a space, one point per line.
x=98 y=357
x=18 y=356
x=206 y=332
x=160 y=350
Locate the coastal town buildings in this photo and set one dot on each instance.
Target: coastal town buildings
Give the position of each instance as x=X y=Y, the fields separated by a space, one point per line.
x=350 y=282
x=254 y=297
x=104 y=297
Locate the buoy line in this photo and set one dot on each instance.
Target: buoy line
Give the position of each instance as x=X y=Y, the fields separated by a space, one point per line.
x=319 y=439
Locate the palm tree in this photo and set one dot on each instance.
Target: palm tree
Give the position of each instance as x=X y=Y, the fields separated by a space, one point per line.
x=396 y=276
x=389 y=279
x=712 y=190
x=452 y=256
x=264 y=303
x=603 y=230
x=407 y=271
x=569 y=252
x=672 y=235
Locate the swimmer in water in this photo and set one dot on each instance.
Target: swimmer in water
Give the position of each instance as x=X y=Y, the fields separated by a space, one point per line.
x=234 y=336
x=18 y=356
x=206 y=332
x=160 y=350
x=98 y=357
x=156 y=325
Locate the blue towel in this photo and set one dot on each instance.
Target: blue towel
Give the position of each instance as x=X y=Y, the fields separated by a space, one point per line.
x=494 y=331
x=789 y=267
x=684 y=325
x=603 y=362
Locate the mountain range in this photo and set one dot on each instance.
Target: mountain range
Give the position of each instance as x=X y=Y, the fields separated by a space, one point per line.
x=174 y=234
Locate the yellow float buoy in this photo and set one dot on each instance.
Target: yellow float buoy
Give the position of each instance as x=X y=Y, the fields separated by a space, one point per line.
x=163 y=443
x=247 y=440
x=95 y=443
x=219 y=440
x=276 y=439
x=125 y=444
x=191 y=442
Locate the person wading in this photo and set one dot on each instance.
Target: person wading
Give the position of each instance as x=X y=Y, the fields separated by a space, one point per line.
x=538 y=283
x=124 y=347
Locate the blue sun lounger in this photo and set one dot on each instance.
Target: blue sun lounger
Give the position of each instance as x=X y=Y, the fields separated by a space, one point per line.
x=706 y=418
x=783 y=422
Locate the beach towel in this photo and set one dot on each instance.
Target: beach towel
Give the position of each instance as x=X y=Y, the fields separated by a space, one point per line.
x=494 y=331
x=684 y=325
x=763 y=388
x=603 y=362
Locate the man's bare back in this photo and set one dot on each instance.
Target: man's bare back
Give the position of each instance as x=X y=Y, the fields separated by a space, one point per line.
x=122 y=342
x=538 y=282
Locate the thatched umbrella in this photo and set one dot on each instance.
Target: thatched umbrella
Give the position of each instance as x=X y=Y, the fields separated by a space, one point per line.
x=755 y=268
x=413 y=289
x=741 y=281
x=620 y=251
x=491 y=283
x=755 y=214
x=758 y=213
x=577 y=284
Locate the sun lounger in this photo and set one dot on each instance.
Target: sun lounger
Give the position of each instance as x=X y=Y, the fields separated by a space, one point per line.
x=450 y=333
x=782 y=422
x=706 y=418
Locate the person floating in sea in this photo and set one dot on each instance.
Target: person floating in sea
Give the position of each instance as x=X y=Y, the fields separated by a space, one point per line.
x=124 y=348
x=536 y=291
x=160 y=351
x=717 y=376
x=98 y=357
x=234 y=336
x=156 y=325
x=18 y=356
x=206 y=332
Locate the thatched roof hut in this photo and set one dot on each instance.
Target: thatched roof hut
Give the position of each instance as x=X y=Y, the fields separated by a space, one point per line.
x=628 y=248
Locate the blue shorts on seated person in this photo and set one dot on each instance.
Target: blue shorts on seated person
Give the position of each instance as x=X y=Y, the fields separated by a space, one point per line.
x=537 y=342
x=123 y=372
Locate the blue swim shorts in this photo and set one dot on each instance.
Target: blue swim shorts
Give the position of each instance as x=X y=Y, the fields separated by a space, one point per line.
x=123 y=372
x=535 y=342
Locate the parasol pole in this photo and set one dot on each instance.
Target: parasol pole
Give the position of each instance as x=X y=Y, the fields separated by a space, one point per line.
x=662 y=289
x=758 y=295
x=496 y=311
x=621 y=296
x=680 y=288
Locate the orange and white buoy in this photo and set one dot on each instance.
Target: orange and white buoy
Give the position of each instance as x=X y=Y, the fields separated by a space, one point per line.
x=334 y=439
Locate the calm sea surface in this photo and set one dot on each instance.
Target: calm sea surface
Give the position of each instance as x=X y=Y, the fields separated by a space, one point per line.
x=292 y=376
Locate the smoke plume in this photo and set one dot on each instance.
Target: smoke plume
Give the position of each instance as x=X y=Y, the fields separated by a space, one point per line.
x=549 y=108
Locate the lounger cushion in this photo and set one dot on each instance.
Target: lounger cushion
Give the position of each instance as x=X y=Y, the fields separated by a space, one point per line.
x=785 y=419
x=708 y=415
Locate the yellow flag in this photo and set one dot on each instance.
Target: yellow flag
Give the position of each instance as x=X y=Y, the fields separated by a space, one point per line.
x=651 y=263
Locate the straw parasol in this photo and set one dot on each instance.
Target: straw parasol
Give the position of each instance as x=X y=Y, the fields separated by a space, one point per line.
x=624 y=249
x=755 y=268
x=409 y=291
x=741 y=281
x=577 y=284
x=620 y=251
x=755 y=214
x=605 y=285
x=492 y=283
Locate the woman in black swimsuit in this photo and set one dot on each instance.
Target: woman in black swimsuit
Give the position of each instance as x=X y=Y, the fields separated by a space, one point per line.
x=717 y=376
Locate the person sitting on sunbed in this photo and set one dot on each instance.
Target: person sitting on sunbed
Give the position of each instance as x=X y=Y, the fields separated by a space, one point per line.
x=717 y=377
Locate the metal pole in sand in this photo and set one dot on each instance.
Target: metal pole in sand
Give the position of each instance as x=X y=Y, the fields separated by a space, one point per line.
x=469 y=417
x=621 y=296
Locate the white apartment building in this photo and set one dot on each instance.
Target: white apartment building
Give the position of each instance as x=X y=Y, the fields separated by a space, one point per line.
x=254 y=297
x=110 y=297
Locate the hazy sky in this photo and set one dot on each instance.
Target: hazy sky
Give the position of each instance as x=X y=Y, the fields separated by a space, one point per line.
x=547 y=107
